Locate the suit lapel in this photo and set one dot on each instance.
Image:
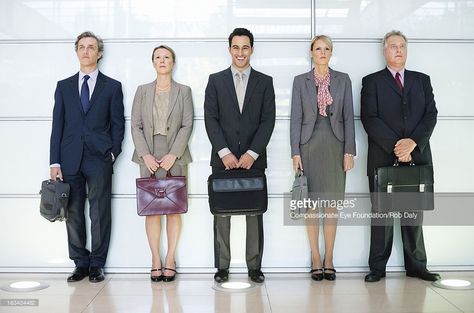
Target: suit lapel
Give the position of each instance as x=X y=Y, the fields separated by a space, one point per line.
x=311 y=89
x=251 y=84
x=150 y=101
x=229 y=82
x=391 y=81
x=173 y=97
x=99 y=86
x=408 y=82
x=334 y=87
x=74 y=85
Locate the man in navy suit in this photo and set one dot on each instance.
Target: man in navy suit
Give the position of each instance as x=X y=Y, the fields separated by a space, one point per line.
x=86 y=138
x=399 y=114
x=239 y=113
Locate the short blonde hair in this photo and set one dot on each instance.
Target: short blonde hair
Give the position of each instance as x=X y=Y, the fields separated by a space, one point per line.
x=173 y=54
x=324 y=38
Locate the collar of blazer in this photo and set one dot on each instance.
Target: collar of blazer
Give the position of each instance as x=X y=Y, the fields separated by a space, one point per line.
x=150 y=98
x=334 y=86
x=254 y=78
x=407 y=81
x=99 y=86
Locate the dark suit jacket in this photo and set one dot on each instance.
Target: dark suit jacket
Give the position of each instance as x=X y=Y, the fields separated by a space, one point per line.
x=101 y=128
x=389 y=115
x=227 y=127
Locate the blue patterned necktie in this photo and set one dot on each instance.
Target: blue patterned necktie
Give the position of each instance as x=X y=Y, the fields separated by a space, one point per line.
x=85 y=94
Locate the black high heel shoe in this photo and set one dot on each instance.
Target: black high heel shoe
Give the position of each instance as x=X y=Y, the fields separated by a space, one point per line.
x=156 y=278
x=317 y=274
x=169 y=278
x=329 y=275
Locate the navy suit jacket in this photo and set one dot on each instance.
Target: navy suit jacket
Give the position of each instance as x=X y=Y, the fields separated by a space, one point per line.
x=227 y=127
x=389 y=115
x=101 y=128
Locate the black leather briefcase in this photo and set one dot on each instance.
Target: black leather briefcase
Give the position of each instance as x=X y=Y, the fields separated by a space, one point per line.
x=54 y=200
x=238 y=192
x=404 y=188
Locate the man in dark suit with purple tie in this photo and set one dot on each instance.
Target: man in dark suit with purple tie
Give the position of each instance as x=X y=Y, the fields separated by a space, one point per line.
x=86 y=138
x=399 y=114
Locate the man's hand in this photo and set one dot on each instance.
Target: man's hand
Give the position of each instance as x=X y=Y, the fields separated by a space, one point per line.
x=405 y=159
x=245 y=161
x=230 y=161
x=167 y=161
x=297 y=163
x=55 y=172
x=151 y=163
x=403 y=148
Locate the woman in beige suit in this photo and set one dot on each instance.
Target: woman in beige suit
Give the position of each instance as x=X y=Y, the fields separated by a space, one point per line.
x=162 y=122
x=323 y=143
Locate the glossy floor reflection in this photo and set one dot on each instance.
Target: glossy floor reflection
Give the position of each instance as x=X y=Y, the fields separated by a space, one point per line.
x=282 y=293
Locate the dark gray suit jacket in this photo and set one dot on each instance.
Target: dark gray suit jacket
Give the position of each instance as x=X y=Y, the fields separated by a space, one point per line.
x=389 y=115
x=304 y=110
x=227 y=127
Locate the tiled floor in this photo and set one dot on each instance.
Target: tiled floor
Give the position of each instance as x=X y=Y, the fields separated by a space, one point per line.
x=281 y=293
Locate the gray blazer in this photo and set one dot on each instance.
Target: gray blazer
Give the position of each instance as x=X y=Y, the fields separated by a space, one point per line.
x=179 y=124
x=304 y=110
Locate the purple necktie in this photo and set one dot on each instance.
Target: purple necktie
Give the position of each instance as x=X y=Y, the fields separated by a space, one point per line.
x=399 y=81
x=85 y=94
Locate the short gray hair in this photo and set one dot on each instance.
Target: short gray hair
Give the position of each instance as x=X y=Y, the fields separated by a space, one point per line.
x=393 y=33
x=100 y=42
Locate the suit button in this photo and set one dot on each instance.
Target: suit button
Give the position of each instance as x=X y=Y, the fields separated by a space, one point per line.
x=82 y=138
x=237 y=132
x=167 y=128
x=331 y=113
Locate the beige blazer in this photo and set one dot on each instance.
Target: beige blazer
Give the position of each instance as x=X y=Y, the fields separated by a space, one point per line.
x=179 y=123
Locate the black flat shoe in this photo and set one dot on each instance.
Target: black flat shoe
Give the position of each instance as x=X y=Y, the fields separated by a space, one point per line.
x=221 y=276
x=78 y=274
x=256 y=276
x=96 y=275
x=329 y=275
x=425 y=275
x=317 y=274
x=169 y=278
x=373 y=277
x=156 y=278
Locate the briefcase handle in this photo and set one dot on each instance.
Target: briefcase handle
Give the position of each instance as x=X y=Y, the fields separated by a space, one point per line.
x=168 y=174
x=397 y=163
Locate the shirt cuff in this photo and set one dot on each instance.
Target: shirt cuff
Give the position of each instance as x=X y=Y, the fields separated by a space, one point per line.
x=55 y=165
x=223 y=152
x=252 y=154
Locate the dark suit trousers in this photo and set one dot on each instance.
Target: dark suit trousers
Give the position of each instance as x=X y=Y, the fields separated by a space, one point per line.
x=96 y=172
x=254 y=241
x=381 y=241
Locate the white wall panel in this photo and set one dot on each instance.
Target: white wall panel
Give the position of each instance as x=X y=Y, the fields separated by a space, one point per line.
x=373 y=18
x=61 y=19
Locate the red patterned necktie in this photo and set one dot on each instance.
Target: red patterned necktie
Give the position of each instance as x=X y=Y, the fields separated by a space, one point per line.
x=399 y=81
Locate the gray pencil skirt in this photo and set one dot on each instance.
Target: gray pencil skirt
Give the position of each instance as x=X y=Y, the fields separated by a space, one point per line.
x=322 y=157
x=160 y=148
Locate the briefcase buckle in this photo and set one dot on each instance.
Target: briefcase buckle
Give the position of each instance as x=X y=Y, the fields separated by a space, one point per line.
x=160 y=193
x=422 y=187
x=389 y=188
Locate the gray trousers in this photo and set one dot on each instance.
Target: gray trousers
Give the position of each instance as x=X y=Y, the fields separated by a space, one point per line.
x=254 y=240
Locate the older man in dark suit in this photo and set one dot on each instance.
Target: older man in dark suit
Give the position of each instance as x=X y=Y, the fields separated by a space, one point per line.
x=239 y=112
x=398 y=112
x=86 y=138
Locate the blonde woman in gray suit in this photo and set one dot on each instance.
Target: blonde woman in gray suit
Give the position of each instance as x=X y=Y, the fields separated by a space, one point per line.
x=323 y=143
x=162 y=122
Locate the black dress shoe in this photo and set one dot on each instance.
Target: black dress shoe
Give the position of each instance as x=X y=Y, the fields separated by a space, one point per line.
x=329 y=275
x=78 y=274
x=372 y=277
x=256 y=276
x=221 y=276
x=425 y=275
x=156 y=278
x=96 y=275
